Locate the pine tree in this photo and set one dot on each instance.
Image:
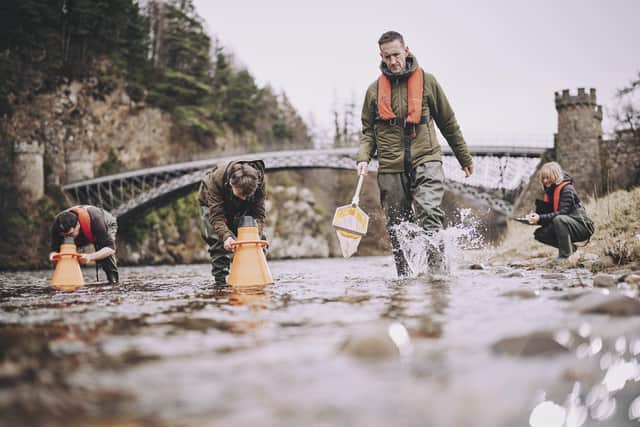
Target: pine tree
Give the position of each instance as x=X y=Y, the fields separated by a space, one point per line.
x=183 y=62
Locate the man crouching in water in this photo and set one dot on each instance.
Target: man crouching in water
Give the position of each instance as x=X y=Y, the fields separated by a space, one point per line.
x=88 y=225
x=227 y=193
x=562 y=217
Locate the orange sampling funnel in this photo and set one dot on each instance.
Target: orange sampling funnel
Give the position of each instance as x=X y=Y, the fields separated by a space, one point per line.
x=249 y=266
x=67 y=275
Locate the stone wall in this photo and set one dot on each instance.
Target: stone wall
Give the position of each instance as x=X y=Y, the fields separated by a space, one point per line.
x=621 y=161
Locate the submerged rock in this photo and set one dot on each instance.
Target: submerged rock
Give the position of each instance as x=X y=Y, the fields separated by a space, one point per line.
x=515 y=274
x=371 y=346
x=571 y=296
x=553 y=276
x=523 y=293
x=615 y=305
x=632 y=279
x=531 y=345
x=604 y=281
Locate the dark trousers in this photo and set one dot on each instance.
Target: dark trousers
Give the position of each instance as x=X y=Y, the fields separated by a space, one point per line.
x=562 y=232
x=413 y=197
x=220 y=258
x=110 y=264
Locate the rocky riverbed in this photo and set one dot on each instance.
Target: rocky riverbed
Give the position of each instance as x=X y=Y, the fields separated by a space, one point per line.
x=331 y=342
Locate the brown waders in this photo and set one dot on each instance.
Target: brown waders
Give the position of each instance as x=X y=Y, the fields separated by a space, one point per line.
x=110 y=264
x=414 y=196
x=220 y=258
x=564 y=230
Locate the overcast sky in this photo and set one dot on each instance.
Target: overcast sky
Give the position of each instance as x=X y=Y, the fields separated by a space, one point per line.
x=499 y=62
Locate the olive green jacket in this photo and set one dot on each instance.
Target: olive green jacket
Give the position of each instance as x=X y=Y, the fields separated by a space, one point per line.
x=387 y=139
x=224 y=209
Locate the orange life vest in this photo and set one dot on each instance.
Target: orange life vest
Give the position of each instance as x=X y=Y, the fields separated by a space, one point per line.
x=85 y=222
x=556 y=195
x=415 y=85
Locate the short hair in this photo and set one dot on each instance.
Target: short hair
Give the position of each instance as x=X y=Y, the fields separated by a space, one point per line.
x=552 y=171
x=244 y=178
x=64 y=221
x=390 y=36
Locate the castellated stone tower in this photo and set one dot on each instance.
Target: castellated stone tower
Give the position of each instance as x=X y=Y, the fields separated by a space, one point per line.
x=28 y=172
x=577 y=143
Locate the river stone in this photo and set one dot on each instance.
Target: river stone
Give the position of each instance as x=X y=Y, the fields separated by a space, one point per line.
x=370 y=346
x=601 y=263
x=604 y=281
x=553 y=276
x=571 y=296
x=524 y=293
x=632 y=279
x=476 y=267
x=531 y=345
x=588 y=257
x=614 y=305
x=427 y=328
x=515 y=274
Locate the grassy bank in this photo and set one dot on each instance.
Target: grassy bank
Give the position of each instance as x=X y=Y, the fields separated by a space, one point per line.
x=617 y=221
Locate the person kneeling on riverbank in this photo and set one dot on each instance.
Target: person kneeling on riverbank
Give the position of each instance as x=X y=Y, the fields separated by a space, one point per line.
x=562 y=218
x=88 y=225
x=227 y=193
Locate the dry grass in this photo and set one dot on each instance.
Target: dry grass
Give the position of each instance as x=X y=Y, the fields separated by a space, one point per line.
x=617 y=222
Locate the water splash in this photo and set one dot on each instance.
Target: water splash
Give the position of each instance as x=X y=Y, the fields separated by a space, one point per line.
x=435 y=251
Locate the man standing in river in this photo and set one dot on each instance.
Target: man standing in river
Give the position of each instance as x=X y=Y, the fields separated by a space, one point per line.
x=397 y=121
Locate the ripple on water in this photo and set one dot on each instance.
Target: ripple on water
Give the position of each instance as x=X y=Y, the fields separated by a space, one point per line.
x=167 y=348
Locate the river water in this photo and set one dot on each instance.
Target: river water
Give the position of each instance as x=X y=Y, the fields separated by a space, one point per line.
x=333 y=342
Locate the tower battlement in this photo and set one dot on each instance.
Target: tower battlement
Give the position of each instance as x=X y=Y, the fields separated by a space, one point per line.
x=577 y=143
x=565 y=99
x=28 y=147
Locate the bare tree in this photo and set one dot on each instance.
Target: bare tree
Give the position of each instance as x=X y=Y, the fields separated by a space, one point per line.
x=627 y=114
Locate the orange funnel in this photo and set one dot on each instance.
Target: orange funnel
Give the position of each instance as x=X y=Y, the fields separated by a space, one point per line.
x=249 y=266
x=67 y=275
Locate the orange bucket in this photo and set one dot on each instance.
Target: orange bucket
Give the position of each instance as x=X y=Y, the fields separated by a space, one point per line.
x=67 y=276
x=249 y=266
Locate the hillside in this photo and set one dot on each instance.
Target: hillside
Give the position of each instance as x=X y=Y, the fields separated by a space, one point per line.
x=104 y=86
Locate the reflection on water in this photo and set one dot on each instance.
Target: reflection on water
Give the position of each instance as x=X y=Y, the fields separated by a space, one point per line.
x=331 y=342
x=610 y=396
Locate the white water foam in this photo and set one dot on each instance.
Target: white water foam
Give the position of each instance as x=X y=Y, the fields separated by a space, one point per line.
x=419 y=245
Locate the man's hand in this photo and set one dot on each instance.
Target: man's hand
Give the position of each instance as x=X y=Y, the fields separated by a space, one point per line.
x=363 y=168
x=533 y=218
x=85 y=258
x=51 y=255
x=468 y=171
x=228 y=243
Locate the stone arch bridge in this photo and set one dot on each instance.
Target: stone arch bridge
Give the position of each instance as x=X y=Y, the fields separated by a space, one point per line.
x=498 y=170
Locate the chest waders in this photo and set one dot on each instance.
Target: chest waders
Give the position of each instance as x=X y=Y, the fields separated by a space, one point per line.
x=407 y=139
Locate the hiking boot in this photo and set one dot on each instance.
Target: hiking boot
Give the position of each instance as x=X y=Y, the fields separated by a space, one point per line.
x=220 y=282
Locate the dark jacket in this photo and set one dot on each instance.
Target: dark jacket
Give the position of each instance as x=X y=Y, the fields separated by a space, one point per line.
x=99 y=229
x=387 y=139
x=569 y=204
x=225 y=209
